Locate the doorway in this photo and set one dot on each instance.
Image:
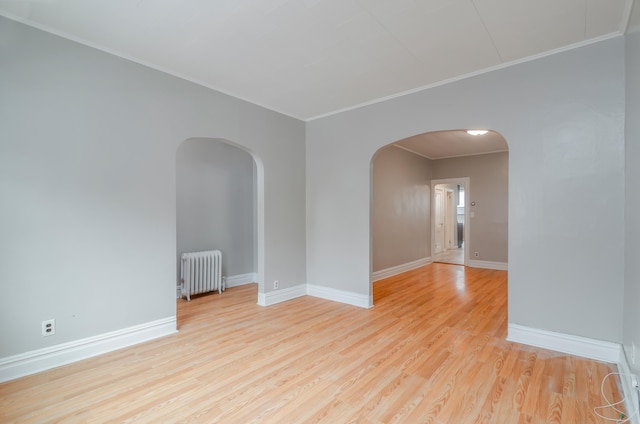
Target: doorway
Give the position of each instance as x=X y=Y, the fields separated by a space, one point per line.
x=403 y=201
x=219 y=206
x=450 y=223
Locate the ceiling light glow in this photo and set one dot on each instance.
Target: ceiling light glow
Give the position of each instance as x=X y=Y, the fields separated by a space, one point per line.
x=477 y=132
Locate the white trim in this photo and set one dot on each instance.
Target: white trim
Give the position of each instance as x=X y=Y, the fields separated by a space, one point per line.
x=469 y=75
x=230 y=281
x=277 y=296
x=630 y=393
x=399 y=269
x=241 y=279
x=447 y=157
x=34 y=361
x=471 y=154
x=350 y=298
x=500 y=266
x=398 y=146
x=566 y=343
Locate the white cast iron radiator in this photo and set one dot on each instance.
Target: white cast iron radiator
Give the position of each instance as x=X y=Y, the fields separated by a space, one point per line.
x=201 y=272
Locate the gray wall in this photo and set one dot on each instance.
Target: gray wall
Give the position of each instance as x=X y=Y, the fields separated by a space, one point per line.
x=563 y=117
x=215 y=203
x=632 y=205
x=489 y=180
x=88 y=147
x=400 y=208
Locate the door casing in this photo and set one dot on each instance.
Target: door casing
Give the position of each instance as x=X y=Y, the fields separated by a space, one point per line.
x=466 y=183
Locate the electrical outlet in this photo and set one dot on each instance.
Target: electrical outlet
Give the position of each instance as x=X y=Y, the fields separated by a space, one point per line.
x=48 y=327
x=476 y=254
x=275 y=284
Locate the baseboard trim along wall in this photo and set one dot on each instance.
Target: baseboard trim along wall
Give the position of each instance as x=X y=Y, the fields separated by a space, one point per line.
x=230 y=281
x=277 y=296
x=350 y=298
x=566 y=343
x=34 y=361
x=241 y=279
x=399 y=269
x=500 y=266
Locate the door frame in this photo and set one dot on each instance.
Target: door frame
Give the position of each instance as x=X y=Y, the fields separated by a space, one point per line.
x=466 y=182
x=441 y=206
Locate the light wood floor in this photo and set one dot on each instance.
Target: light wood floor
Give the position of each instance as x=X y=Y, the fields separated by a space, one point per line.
x=432 y=350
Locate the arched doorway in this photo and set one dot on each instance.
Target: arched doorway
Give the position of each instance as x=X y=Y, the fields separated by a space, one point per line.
x=220 y=205
x=402 y=199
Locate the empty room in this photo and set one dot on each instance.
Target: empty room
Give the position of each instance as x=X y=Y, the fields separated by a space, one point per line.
x=422 y=211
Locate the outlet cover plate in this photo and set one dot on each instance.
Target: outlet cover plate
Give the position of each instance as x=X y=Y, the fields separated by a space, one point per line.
x=48 y=327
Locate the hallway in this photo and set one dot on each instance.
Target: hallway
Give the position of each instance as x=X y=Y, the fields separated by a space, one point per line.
x=452 y=256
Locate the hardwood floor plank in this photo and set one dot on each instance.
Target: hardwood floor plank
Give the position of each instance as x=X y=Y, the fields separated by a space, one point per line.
x=432 y=350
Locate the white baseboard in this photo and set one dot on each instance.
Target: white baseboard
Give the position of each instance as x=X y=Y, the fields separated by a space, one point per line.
x=34 y=361
x=230 y=281
x=629 y=392
x=277 y=296
x=399 y=269
x=500 y=266
x=565 y=343
x=241 y=279
x=341 y=296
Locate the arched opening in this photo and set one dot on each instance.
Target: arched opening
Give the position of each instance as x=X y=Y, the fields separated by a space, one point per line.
x=220 y=206
x=408 y=175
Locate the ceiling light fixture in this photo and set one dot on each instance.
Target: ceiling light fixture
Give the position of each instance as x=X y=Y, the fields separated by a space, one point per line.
x=477 y=132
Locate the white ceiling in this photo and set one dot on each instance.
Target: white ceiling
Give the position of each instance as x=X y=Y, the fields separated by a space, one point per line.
x=308 y=58
x=448 y=144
